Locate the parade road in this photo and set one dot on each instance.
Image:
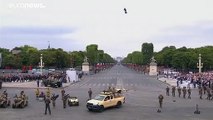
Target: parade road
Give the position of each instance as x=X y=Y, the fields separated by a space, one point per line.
x=141 y=92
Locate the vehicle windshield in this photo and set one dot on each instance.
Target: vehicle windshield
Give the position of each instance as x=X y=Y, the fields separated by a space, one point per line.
x=99 y=97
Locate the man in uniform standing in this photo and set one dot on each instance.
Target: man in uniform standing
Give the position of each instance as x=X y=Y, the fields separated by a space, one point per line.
x=201 y=92
x=173 y=91
x=53 y=98
x=37 y=93
x=184 y=92
x=62 y=93
x=47 y=105
x=167 y=91
x=179 y=91
x=65 y=100
x=189 y=93
x=48 y=92
x=160 y=98
x=90 y=93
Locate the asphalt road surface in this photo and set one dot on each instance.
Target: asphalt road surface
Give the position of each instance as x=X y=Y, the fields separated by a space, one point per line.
x=141 y=100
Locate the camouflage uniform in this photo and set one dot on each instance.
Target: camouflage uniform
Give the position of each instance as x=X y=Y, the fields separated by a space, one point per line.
x=48 y=92
x=201 y=93
x=189 y=93
x=184 y=92
x=179 y=91
x=167 y=91
x=173 y=91
x=37 y=93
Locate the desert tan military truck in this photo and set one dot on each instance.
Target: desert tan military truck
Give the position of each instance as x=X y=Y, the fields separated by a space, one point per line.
x=105 y=100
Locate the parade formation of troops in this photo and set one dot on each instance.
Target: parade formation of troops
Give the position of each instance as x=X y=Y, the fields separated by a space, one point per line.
x=204 y=90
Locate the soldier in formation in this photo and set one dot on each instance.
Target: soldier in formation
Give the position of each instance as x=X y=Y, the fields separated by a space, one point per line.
x=201 y=92
x=208 y=94
x=64 y=100
x=167 y=91
x=53 y=99
x=184 y=92
x=48 y=92
x=62 y=93
x=173 y=91
x=179 y=91
x=189 y=93
x=37 y=92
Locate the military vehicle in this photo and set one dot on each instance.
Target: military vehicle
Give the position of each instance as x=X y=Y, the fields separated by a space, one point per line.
x=4 y=102
x=105 y=100
x=73 y=101
x=20 y=102
x=52 y=83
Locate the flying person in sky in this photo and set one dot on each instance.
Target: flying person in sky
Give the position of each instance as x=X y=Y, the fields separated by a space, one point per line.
x=125 y=10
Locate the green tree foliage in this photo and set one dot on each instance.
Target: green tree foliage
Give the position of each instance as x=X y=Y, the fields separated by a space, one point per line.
x=164 y=57
x=137 y=58
x=128 y=59
x=147 y=52
x=92 y=54
x=182 y=59
x=100 y=56
x=5 y=53
x=107 y=58
x=29 y=55
x=56 y=58
x=77 y=58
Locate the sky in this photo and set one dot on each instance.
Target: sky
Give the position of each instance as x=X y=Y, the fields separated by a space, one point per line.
x=74 y=24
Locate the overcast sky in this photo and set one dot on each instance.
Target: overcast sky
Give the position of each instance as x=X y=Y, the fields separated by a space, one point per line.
x=73 y=24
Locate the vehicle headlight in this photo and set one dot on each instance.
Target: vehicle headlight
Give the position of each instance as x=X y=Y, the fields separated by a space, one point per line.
x=96 y=104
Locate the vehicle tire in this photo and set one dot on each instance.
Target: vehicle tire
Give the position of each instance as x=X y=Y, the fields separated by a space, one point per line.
x=22 y=105
x=70 y=104
x=119 y=104
x=26 y=103
x=13 y=106
x=101 y=108
x=8 y=104
x=90 y=109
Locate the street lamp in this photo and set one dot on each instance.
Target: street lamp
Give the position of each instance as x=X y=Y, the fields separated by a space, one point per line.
x=199 y=64
x=41 y=63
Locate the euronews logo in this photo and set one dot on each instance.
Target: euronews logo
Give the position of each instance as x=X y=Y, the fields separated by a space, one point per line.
x=27 y=5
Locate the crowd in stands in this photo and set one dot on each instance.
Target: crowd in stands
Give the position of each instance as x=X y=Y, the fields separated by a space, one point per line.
x=28 y=77
x=197 y=79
